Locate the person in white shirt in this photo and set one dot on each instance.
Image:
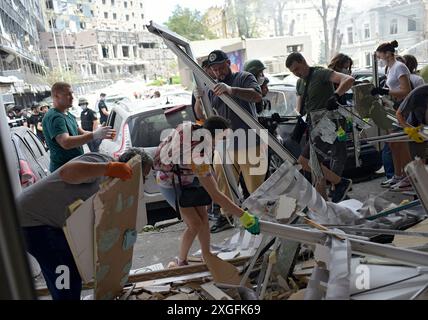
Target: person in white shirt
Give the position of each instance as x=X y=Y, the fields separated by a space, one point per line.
x=398 y=87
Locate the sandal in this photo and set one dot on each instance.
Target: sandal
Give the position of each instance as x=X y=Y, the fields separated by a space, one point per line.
x=177 y=263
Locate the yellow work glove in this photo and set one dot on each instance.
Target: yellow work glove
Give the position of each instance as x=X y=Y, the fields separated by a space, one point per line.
x=250 y=222
x=414 y=135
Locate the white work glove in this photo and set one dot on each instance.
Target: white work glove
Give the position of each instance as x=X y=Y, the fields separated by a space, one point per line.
x=221 y=88
x=198 y=93
x=104 y=133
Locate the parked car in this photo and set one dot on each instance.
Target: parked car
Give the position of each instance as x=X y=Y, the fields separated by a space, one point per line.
x=139 y=124
x=31 y=157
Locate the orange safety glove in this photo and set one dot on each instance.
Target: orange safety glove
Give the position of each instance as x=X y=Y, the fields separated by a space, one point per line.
x=118 y=170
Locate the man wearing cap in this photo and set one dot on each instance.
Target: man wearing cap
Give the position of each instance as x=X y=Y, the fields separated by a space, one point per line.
x=89 y=122
x=244 y=89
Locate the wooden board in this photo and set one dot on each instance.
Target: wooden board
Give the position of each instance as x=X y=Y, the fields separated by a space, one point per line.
x=222 y=271
x=164 y=276
x=408 y=242
x=115 y=206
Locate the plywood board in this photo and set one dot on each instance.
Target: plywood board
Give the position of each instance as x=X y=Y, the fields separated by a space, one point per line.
x=115 y=206
x=222 y=271
x=408 y=242
x=79 y=231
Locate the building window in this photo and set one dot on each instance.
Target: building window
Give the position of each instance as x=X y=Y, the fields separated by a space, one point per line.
x=127 y=17
x=105 y=51
x=92 y=13
x=411 y=23
x=350 y=35
x=366 y=31
x=49 y=4
x=106 y=15
x=142 y=16
x=52 y=23
x=141 y=5
x=131 y=3
x=368 y=59
x=112 y=2
x=295 y=48
x=114 y=16
x=104 y=1
x=82 y=25
x=125 y=4
x=394 y=26
x=133 y=14
x=125 y=51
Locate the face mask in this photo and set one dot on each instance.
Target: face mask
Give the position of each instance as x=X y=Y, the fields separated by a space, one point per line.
x=261 y=80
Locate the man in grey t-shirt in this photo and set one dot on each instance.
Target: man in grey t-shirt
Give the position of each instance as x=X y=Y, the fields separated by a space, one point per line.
x=43 y=210
x=244 y=89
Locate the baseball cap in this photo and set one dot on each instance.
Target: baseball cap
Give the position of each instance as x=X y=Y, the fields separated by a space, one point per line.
x=216 y=57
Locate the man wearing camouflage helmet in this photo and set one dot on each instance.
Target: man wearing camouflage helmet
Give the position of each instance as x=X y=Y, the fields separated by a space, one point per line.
x=256 y=68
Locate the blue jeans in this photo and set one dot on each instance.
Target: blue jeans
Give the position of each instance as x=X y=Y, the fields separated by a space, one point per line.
x=50 y=248
x=387 y=161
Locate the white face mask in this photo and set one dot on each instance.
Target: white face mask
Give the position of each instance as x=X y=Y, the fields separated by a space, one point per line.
x=261 y=80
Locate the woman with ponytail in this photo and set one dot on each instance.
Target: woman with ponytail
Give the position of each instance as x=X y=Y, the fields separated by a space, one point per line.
x=398 y=87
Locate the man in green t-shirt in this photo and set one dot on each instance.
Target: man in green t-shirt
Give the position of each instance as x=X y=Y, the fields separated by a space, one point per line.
x=320 y=94
x=63 y=135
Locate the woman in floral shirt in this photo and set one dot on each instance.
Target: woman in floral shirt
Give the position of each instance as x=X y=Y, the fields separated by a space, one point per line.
x=193 y=158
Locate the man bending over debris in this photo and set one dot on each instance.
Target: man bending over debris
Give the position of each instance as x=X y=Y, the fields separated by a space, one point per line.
x=43 y=210
x=412 y=114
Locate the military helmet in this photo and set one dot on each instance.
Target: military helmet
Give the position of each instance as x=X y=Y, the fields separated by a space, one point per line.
x=83 y=101
x=254 y=66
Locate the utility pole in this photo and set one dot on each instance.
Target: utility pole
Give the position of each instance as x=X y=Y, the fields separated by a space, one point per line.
x=56 y=49
x=65 y=56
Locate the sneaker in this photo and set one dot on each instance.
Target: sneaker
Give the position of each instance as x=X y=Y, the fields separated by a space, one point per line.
x=214 y=212
x=403 y=185
x=341 y=190
x=390 y=182
x=220 y=225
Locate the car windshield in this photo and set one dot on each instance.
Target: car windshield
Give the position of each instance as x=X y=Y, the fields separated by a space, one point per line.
x=146 y=129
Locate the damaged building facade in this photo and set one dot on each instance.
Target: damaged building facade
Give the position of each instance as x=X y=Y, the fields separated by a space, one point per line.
x=108 y=41
x=21 y=63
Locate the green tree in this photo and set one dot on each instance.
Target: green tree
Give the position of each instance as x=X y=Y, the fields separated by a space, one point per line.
x=188 y=24
x=55 y=75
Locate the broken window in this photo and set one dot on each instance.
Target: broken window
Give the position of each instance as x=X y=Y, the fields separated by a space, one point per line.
x=295 y=48
x=125 y=51
x=105 y=51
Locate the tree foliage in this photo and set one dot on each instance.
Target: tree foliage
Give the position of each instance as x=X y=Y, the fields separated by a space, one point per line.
x=188 y=24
